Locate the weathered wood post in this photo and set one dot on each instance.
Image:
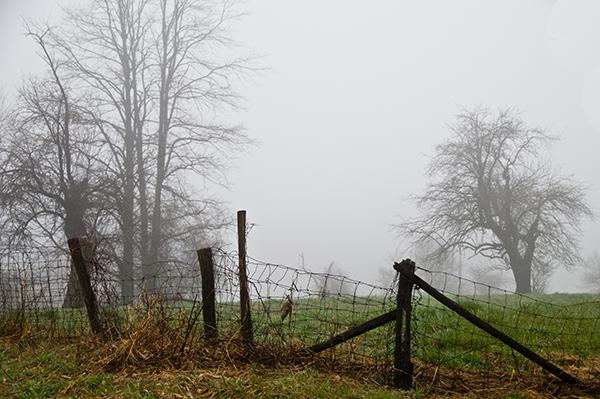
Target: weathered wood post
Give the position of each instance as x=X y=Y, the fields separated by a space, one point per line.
x=246 y=317
x=89 y=297
x=403 y=367
x=207 y=271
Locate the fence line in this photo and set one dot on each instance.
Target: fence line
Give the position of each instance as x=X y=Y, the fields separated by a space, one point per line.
x=295 y=309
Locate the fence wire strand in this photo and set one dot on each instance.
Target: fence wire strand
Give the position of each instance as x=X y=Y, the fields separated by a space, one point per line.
x=563 y=328
x=294 y=308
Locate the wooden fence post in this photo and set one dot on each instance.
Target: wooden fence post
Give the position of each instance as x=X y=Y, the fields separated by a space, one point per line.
x=207 y=271
x=83 y=276
x=246 y=316
x=403 y=367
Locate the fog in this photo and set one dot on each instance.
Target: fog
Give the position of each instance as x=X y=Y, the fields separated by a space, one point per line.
x=354 y=96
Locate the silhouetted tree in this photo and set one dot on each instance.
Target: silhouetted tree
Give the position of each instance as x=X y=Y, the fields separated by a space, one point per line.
x=330 y=281
x=50 y=180
x=161 y=76
x=490 y=193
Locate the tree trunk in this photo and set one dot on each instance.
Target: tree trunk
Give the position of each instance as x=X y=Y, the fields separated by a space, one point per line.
x=163 y=128
x=143 y=201
x=156 y=234
x=128 y=227
x=128 y=230
x=126 y=272
x=74 y=228
x=73 y=296
x=522 y=274
x=137 y=120
x=127 y=214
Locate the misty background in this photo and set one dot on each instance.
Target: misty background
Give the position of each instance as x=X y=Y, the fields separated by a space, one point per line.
x=355 y=96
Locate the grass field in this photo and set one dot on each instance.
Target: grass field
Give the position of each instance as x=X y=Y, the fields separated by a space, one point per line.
x=62 y=371
x=452 y=358
x=561 y=327
x=70 y=371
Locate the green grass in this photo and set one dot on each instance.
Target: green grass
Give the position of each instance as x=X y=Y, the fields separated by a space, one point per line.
x=556 y=326
x=67 y=371
x=61 y=372
x=561 y=327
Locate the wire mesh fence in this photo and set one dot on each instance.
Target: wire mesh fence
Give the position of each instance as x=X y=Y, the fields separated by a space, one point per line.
x=293 y=309
x=562 y=328
x=297 y=308
x=40 y=294
x=32 y=290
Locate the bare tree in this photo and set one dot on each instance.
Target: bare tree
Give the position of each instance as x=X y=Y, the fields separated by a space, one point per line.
x=488 y=275
x=105 y=45
x=157 y=78
x=541 y=271
x=192 y=82
x=330 y=281
x=491 y=194
x=49 y=179
x=161 y=82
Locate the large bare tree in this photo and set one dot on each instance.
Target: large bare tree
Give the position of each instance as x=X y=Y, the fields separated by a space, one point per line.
x=161 y=73
x=50 y=181
x=490 y=193
x=193 y=81
x=104 y=41
x=157 y=79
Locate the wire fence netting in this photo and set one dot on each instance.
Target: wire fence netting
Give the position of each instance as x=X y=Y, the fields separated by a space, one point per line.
x=294 y=308
x=563 y=328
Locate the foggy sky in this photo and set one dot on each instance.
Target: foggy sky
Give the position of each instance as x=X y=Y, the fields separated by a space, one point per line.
x=358 y=94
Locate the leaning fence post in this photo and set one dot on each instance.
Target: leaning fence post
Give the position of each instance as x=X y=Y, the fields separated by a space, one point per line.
x=207 y=271
x=403 y=367
x=86 y=286
x=247 y=335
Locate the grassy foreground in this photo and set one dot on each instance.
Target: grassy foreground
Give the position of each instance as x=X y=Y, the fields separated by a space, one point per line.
x=65 y=372
x=153 y=358
x=72 y=370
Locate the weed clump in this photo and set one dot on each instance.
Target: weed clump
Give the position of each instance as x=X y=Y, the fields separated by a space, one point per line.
x=147 y=336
